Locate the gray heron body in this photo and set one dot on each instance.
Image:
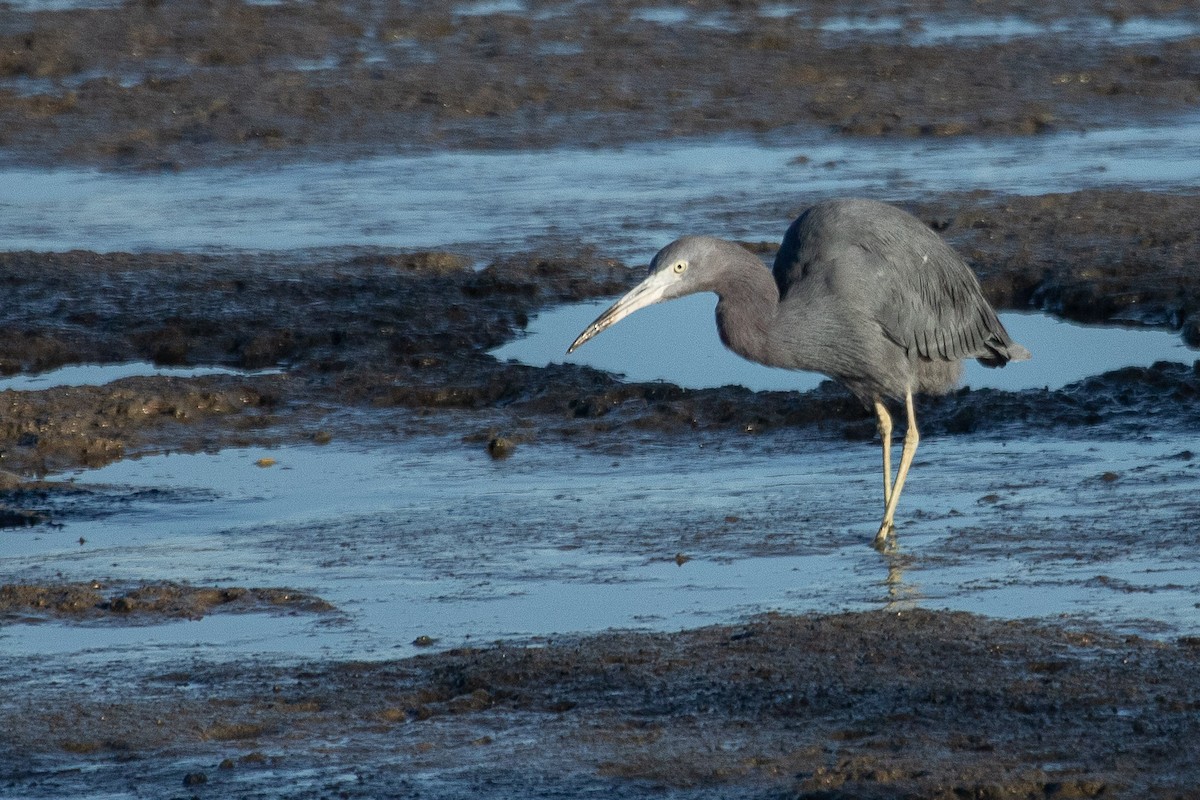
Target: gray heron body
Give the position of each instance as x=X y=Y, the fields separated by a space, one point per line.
x=860 y=291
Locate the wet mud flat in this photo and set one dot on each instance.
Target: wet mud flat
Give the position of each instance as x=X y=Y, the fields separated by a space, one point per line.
x=358 y=345
x=293 y=79
x=899 y=702
x=905 y=703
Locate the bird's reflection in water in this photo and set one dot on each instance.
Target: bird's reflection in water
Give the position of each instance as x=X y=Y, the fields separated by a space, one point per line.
x=899 y=596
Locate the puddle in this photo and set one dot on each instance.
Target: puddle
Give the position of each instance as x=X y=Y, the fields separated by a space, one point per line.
x=100 y=374
x=28 y=86
x=674 y=17
x=663 y=15
x=432 y=538
x=921 y=30
x=631 y=199
x=485 y=7
x=678 y=342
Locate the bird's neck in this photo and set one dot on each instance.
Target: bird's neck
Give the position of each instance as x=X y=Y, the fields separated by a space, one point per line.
x=748 y=301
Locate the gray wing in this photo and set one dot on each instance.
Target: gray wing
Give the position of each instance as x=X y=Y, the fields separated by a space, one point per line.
x=915 y=286
x=936 y=307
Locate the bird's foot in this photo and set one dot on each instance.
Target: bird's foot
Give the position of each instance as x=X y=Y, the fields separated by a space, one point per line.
x=886 y=538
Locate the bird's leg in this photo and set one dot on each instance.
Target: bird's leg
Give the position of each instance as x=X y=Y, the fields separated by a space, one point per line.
x=885 y=433
x=911 y=438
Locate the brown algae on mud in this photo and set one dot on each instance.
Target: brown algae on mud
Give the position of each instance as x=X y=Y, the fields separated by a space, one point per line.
x=144 y=604
x=915 y=703
x=365 y=77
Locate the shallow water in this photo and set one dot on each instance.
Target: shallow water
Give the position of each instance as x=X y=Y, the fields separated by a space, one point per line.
x=630 y=201
x=918 y=29
x=100 y=374
x=921 y=30
x=430 y=537
x=678 y=342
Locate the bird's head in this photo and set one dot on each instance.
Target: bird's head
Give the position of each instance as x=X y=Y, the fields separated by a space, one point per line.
x=685 y=266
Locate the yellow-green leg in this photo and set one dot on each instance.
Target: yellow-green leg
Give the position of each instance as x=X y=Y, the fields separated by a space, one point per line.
x=911 y=439
x=885 y=434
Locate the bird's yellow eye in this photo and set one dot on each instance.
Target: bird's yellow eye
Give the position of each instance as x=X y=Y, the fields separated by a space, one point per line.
x=679 y=267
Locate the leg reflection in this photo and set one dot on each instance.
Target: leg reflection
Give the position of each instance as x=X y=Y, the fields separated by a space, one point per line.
x=900 y=595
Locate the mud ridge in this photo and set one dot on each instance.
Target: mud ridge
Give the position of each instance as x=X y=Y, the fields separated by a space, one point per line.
x=143 y=604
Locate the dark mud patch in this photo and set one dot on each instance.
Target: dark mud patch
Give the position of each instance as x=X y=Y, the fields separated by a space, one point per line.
x=371 y=321
x=881 y=704
x=245 y=80
x=241 y=311
x=144 y=604
x=18 y=517
x=53 y=503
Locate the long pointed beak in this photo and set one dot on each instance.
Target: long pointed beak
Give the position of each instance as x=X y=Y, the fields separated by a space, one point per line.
x=646 y=293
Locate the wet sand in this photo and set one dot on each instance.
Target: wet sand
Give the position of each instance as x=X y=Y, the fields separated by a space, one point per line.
x=375 y=343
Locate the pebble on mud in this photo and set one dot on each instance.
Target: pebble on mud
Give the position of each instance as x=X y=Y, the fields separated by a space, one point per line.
x=1190 y=330
x=394 y=714
x=500 y=447
x=475 y=701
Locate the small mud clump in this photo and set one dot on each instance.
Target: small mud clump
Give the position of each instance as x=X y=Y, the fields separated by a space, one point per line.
x=500 y=447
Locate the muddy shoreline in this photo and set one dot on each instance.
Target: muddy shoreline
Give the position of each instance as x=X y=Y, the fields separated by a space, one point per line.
x=850 y=705
x=367 y=345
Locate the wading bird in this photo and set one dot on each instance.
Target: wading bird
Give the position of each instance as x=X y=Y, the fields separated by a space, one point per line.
x=860 y=291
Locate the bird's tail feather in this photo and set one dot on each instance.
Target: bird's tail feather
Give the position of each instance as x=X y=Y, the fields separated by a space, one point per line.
x=1018 y=353
x=1002 y=353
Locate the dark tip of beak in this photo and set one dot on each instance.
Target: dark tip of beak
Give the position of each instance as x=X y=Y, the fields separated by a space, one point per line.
x=588 y=333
